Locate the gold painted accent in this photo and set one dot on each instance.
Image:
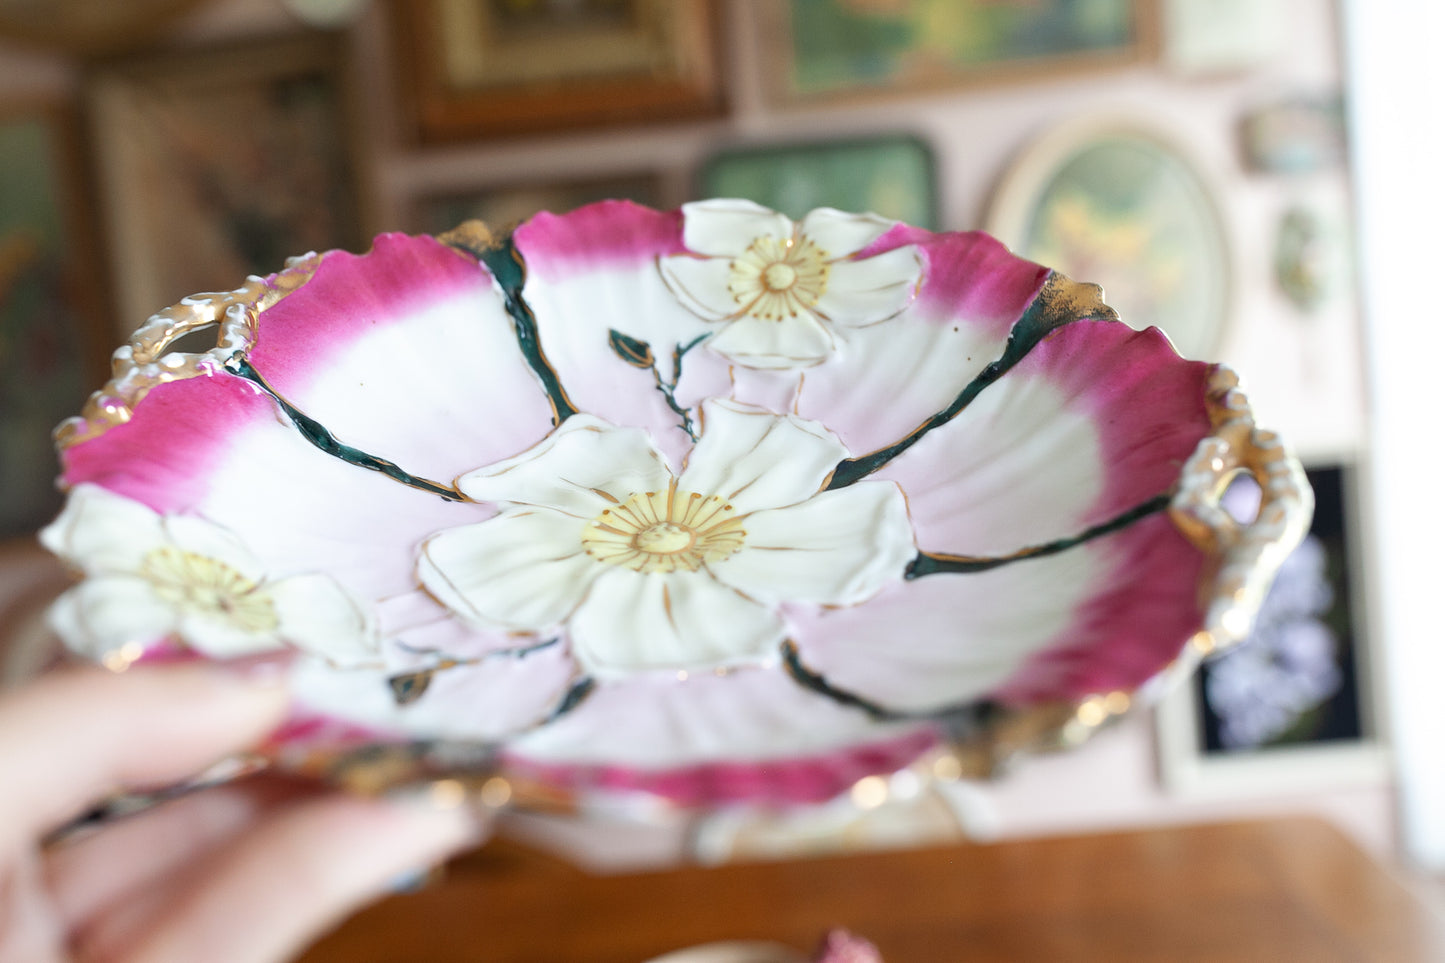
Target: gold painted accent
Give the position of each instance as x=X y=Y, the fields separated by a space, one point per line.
x=147 y=360
x=1243 y=558
x=1063 y=299
x=775 y=279
x=473 y=237
x=201 y=584
x=667 y=531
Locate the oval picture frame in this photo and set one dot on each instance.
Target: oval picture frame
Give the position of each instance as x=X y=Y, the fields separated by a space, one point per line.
x=1116 y=201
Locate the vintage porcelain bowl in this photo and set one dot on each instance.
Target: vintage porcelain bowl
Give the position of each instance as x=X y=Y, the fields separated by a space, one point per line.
x=705 y=504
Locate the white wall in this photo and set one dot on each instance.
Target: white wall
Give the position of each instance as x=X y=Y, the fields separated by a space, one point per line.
x=1397 y=79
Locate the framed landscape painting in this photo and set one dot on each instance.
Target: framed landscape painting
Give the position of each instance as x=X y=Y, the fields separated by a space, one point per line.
x=504 y=205
x=830 y=49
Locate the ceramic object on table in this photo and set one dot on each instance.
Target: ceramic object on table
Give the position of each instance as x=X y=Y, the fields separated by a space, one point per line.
x=703 y=504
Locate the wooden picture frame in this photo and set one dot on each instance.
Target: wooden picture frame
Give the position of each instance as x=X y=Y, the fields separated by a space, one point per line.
x=487 y=68
x=832 y=50
x=1115 y=201
x=1291 y=708
x=216 y=164
x=54 y=329
x=892 y=175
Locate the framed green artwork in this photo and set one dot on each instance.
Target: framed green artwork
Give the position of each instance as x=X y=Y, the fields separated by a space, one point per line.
x=893 y=176
x=826 y=49
x=1114 y=202
x=53 y=337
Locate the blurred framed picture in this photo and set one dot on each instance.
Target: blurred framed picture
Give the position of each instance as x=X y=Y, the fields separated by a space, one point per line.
x=506 y=205
x=1289 y=708
x=54 y=335
x=218 y=164
x=893 y=176
x=1115 y=202
x=487 y=68
x=841 y=49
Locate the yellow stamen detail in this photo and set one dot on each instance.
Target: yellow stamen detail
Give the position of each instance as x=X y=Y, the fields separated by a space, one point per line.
x=204 y=585
x=662 y=532
x=775 y=279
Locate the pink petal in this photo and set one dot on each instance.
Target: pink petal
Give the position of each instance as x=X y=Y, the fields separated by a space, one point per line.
x=969 y=276
x=1106 y=615
x=597 y=237
x=753 y=735
x=1128 y=632
x=406 y=353
x=592 y=272
x=1094 y=421
x=214 y=446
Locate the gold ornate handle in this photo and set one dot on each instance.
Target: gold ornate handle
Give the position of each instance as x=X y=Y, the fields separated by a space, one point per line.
x=1244 y=555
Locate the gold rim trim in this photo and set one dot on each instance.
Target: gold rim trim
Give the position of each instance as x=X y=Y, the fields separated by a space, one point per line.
x=147 y=359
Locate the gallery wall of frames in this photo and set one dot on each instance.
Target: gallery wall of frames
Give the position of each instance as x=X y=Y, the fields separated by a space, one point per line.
x=1189 y=155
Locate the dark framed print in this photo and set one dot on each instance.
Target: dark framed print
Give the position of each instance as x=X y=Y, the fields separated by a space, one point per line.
x=1290 y=707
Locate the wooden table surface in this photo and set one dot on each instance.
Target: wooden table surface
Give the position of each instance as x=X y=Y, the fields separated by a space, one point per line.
x=1276 y=890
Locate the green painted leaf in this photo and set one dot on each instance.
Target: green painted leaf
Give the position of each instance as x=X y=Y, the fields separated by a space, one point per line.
x=634 y=352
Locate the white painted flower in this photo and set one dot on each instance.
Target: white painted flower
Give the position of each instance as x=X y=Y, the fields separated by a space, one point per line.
x=650 y=570
x=780 y=286
x=150 y=576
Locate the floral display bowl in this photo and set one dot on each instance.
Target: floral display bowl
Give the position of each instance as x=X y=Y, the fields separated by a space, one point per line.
x=704 y=504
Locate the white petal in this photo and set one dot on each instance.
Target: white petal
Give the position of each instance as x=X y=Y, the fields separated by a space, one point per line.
x=701 y=284
x=581 y=468
x=320 y=617
x=726 y=227
x=103 y=532
x=841 y=234
x=521 y=570
x=209 y=540
x=872 y=289
x=104 y=613
x=685 y=620
x=836 y=548
x=795 y=342
x=757 y=459
x=222 y=638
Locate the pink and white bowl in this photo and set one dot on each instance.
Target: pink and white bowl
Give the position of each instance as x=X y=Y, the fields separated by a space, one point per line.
x=704 y=504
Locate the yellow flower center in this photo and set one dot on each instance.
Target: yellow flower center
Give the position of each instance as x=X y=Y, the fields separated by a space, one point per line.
x=661 y=532
x=776 y=278
x=204 y=585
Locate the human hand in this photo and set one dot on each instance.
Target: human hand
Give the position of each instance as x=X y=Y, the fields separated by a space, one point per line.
x=242 y=873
